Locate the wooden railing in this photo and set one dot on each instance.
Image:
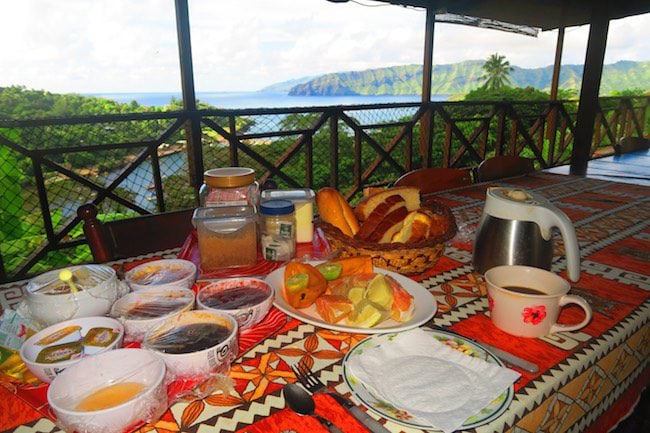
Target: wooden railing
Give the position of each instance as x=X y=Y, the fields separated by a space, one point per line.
x=141 y=163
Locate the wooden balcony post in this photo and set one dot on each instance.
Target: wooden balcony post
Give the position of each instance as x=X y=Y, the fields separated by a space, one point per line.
x=588 y=105
x=193 y=125
x=95 y=235
x=427 y=72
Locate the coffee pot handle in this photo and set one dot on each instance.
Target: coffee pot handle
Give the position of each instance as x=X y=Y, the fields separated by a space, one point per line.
x=549 y=217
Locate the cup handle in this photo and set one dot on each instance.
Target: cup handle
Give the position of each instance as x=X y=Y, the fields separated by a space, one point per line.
x=571 y=299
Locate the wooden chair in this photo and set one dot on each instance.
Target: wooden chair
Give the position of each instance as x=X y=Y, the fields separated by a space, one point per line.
x=631 y=144
x=499 y=167
x=134 y=236
x=435 y=179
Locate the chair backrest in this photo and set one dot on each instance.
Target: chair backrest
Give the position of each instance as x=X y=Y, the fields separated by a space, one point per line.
x=436 y=179
x=631 y=144
x=499 y=167
x=134 y=236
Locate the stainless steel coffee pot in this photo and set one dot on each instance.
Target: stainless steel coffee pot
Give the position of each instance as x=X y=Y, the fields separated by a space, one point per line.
x=516 y=229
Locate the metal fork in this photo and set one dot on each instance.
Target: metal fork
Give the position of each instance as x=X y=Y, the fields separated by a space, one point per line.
x=313 y=384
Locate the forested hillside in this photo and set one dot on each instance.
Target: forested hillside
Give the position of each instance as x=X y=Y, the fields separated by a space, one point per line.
x=465 y=76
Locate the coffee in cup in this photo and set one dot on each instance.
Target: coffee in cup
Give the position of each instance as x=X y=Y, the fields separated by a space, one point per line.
x=526 y=301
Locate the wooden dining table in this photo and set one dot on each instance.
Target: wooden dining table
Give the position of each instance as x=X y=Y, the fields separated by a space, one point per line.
x=587 y=379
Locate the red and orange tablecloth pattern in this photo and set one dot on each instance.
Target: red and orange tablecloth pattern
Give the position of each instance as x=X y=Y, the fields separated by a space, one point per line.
x=587 y=379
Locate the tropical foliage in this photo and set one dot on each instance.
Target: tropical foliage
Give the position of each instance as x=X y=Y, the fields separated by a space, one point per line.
x=496 y=72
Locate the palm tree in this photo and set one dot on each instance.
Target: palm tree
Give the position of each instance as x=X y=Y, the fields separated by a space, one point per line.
x=497 y=70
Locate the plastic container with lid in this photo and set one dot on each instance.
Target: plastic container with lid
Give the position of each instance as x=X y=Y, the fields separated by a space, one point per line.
x=229 y=186
x=303 y=200
x=49 y=300
x=227 y=236
x=278 y=230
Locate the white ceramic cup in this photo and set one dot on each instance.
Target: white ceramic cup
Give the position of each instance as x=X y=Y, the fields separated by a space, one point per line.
x=530 y=314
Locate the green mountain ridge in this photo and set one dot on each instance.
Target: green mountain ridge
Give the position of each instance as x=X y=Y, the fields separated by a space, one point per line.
x=462 y=77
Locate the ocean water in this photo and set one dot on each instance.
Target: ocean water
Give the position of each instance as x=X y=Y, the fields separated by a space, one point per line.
x=259 y=99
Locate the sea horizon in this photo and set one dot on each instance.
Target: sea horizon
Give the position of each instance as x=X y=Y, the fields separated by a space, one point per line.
x=257 y=99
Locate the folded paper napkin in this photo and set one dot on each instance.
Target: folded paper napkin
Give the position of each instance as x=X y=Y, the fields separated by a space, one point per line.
x=432 y=381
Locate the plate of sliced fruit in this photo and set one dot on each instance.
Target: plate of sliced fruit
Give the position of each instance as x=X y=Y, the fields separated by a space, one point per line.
x=351 y=295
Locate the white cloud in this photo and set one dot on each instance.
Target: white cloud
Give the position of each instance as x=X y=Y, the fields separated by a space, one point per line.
x=130 y=45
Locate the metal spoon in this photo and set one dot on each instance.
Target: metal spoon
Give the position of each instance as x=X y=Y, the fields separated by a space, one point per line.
x=302 y=403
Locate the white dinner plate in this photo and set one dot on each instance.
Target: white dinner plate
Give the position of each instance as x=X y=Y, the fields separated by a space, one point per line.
x=385 y=409
x=425 y=306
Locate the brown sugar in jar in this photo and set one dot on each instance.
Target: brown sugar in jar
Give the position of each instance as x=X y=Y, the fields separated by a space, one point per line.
x=227 y=236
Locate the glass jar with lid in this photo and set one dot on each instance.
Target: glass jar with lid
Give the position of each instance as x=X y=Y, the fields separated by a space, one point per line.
x=229 y=186
x=278 y=230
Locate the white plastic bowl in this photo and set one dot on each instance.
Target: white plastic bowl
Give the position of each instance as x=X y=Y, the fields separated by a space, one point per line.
x=202 y=362
x=92 y=374
x=99 y=290
x=67 y=333
x=162 y=274
x=247 y=313
x=137 y=327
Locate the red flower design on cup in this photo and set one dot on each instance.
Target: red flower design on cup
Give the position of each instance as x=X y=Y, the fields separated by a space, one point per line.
x=534 y=315
x=491 y=302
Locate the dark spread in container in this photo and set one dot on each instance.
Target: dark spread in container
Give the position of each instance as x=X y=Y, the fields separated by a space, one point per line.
x=234 y=298
x=190 y=338
x=60 y=352
x=153 y=309
x=100 y=337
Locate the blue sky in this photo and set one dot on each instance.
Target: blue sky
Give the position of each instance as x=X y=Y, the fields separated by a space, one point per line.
x=239 y=45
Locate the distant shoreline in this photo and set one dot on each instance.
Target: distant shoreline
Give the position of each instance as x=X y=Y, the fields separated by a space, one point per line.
x=234 y=100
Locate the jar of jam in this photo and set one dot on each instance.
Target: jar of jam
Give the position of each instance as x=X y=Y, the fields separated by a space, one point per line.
x=278 y=230
x=229 y=186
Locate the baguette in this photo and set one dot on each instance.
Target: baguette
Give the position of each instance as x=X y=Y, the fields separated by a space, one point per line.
x=367 y=205
x=335 y=210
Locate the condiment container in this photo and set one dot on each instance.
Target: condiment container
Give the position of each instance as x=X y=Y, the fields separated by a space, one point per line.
x=303 y=200
x=142 y=310
x=50 y=300
x=162 y=274
x=112 y=392
x=57 y=347
x=229 y=186
x=248 y=300
x=278 y=230
x=195 y=343
x=227 y=236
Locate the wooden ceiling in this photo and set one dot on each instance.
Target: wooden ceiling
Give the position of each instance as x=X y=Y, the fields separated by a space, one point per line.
x=544 y=14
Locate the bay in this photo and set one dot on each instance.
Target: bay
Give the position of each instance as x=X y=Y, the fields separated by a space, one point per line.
x=235 y=100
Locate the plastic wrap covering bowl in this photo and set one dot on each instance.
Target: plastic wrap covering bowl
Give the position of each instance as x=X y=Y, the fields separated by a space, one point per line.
x=57 y=347
x=248 y=300
x=143 y=310
x=195 y=343
x=112 y=392
x=162 y=274
x=50 y=300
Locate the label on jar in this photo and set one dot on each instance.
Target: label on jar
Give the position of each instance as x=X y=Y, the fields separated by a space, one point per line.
x=285 y=230
x=277 y=249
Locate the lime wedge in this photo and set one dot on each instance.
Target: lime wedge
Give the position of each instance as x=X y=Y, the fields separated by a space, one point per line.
x=296 y=282
x=331 y=271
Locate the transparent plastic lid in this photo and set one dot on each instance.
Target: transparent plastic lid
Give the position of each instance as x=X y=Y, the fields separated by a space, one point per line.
x=294 y=195
x=85 y=278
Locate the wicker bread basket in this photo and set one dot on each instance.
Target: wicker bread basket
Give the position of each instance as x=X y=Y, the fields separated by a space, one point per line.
x=408 y=259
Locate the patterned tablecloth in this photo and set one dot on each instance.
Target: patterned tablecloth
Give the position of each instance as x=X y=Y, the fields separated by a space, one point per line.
x=587 y=380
